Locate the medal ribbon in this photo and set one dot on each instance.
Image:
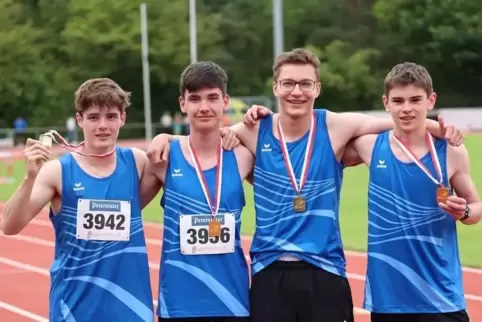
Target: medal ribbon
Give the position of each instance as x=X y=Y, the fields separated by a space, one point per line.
x=73 y=147
x=433 y=155
x=213 y=205
x=307 y=159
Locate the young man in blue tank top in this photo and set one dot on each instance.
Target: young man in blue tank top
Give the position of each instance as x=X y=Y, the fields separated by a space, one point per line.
x=297 y=253
x=203 y=273
x=100 y=270
x=414 y=271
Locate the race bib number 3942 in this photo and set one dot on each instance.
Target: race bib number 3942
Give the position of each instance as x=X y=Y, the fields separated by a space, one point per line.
x=107 y=220
x=195 y=238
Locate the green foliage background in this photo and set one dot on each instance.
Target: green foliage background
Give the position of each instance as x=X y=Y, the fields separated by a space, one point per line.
x=49 y=47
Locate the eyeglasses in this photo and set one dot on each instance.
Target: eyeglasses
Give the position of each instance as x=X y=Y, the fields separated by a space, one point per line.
x=306 y=85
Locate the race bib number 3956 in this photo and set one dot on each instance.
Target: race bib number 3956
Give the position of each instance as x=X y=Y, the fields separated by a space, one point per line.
x=195 y=238
x=107 y=220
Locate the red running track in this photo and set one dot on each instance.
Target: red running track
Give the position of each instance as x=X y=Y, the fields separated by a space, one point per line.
x=25 y=260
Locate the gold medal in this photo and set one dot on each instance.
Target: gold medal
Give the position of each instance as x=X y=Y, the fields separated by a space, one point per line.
x=299 y=204
x=442 y=194
x=214 y=228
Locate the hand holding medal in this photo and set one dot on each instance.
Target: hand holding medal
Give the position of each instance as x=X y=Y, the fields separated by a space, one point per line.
x=443 y=193
x=455 y=206
x=46 y=140
x=299 y=202
x=35 y=154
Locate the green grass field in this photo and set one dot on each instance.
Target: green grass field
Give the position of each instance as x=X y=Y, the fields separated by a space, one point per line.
x=353 y=212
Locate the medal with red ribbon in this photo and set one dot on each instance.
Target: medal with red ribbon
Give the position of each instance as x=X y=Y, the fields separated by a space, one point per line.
x=442 y=192
x=299 y=202
x=52 y=135
x=214 y=224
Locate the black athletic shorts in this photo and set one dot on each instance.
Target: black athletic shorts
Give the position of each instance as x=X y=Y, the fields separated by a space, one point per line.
x=213 y=319
x=459 y=316
x=299 y=292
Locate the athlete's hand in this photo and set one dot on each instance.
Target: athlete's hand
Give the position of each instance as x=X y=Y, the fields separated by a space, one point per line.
x=454 y=206
x=230 y=140
x=35 y=155
x=254 y=113
x=158 y=149
x=450 y=133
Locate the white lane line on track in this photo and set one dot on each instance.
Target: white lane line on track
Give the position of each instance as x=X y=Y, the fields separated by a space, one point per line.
x=22 y=312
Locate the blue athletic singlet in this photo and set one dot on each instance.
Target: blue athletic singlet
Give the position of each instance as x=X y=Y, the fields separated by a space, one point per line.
x=413 y=257
x=197 y=285
x=94 y=280
x=313 y=235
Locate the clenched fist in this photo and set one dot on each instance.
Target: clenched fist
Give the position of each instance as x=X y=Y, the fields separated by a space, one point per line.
x=35 y=155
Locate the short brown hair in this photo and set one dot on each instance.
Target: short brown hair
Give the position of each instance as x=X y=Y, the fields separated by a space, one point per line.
x=205 y=74
x=298 y=56
x=102 y=92
x=409 y=74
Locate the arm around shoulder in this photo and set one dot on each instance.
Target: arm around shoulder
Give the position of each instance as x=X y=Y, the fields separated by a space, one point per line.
x=463 y=184
x=247 y=135
x=352 y=125
x=245 y=161
x=359 y=151
x=158 y=149
x=31 y=197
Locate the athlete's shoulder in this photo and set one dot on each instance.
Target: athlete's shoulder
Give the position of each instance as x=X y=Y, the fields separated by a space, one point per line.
x=334 y=120
x=140 y=159
x=138 y=153
x=455 y=153
x=382 y=134
x=268 y=119
x=321 y=111
x=440 y=142
x=381 y=140
x=64 y=158
x=54 y=166
x=51 y=173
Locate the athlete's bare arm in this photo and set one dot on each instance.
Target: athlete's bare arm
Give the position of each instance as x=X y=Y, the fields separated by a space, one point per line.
x=247 y=135
x=153 y=178
x=149 y=183
x=359 y=151
x=343 y=127
x=461 y=181
x=245 y=161
x=158 y=149
x=33 y=194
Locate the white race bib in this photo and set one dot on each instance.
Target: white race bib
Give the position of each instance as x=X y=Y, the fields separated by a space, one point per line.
x=103 y=220
x=195 y=239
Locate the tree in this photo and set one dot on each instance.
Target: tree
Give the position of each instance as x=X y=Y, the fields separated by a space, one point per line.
x=348 y=81
x=444 y=35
